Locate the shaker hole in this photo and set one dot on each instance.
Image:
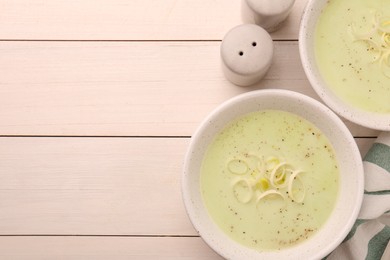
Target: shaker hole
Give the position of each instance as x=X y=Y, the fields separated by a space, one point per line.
x=254 y=44
x=241 y=53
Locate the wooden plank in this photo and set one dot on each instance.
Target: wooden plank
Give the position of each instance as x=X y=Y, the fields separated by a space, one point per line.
x=125 y=89
x=128 y=20
x=94 y=186
x=115 y=248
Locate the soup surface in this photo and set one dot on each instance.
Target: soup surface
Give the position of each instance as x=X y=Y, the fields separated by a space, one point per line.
x=269 y=179
x=352 y=47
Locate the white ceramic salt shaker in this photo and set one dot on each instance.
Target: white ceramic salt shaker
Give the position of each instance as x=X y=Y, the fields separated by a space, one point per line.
x=246 y=53
x=268 y=14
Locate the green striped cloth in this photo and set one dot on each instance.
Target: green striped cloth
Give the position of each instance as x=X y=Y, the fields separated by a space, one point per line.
x=369 y=237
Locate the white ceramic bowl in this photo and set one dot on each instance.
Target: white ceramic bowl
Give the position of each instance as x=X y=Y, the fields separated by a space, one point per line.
x=347 y=153
x=306 y=48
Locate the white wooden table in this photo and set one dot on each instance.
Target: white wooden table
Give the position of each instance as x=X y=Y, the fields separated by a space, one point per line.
x=98 y=100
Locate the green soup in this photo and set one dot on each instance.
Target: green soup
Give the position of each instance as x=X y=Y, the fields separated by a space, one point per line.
x=352 y=48
x=269 y=179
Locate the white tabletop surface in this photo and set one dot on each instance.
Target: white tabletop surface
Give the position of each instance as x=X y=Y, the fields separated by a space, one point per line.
x=98 y=101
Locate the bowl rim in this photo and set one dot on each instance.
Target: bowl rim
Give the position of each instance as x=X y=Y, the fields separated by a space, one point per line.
x=361 y=117
x=186 y=196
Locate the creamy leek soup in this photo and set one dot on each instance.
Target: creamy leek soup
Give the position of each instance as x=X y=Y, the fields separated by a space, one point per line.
x=352 y=48
x=269 y=179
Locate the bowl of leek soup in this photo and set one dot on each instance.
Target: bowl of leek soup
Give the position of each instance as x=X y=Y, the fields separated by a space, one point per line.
x=272 y=174
x=345 y=52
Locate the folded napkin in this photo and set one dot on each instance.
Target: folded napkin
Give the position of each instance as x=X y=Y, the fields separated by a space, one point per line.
x=370 y=235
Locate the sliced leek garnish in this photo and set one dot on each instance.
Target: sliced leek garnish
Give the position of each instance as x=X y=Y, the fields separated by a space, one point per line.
x=294 y=178
x=378 y=40
x=262 y=178
x=237 y=166
x=270 y=193
x=246 y=185
x=278 y=175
